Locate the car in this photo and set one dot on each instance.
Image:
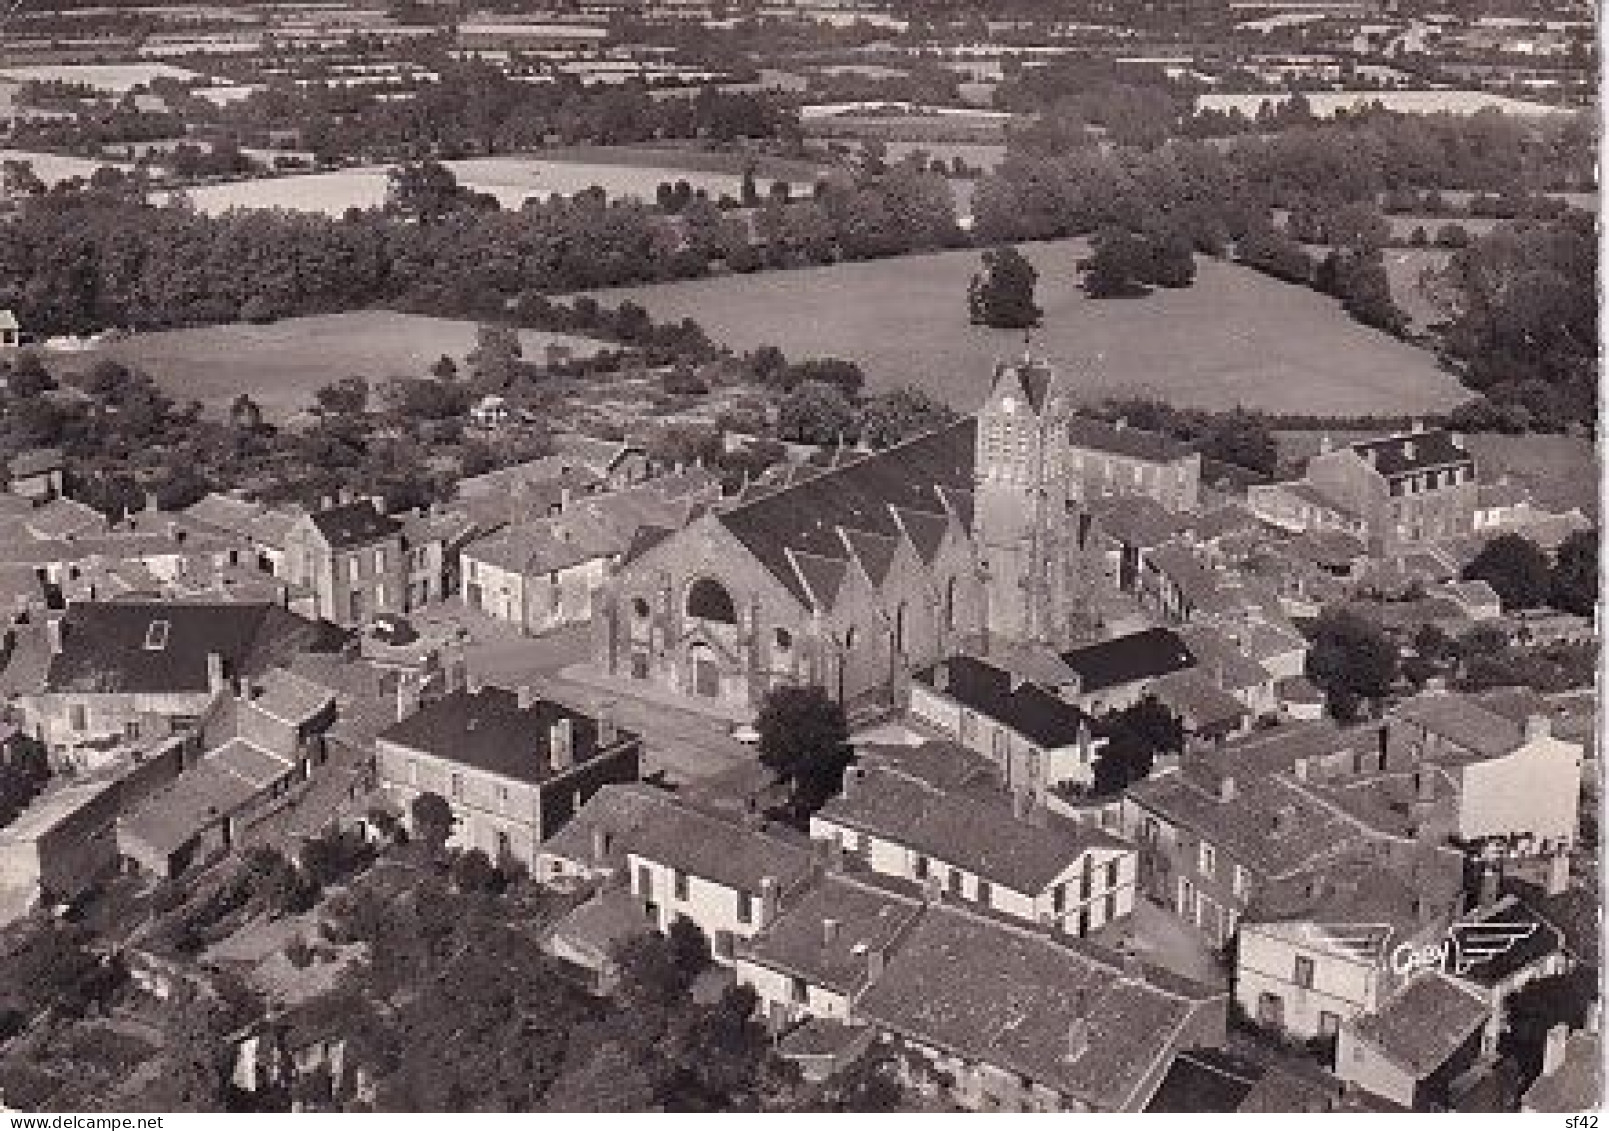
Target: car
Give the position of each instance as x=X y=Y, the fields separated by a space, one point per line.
x=744 y=733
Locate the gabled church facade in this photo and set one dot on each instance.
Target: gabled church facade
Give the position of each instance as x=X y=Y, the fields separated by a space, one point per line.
x=868 y=571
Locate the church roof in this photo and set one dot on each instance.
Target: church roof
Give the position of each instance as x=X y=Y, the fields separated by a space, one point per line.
x=860 y=500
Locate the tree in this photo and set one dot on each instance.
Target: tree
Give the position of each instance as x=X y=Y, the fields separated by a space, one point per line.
x=816 y=413
x=1134 y=737
x=1244 y=440
x=1351 y=659
x=245 y=414
x=1539 y=1005
x=1119 y=265
x=1001 y=296
x=346 y=397
x=804 y=739
x=473 y=872
x=432 y=820
x=425 y=191
x=1574 y=584
x=845 y=376
x=444 y=368
x=495 y=360
x=898 y=415
x=1516 y=568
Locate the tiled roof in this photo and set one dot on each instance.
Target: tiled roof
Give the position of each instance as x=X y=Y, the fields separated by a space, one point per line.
x=1191 y=694
x=1221 y=659
x=61 y=518
x=1011 y=997
x=289 y=697
x=1332 y=902
x=1409 y=452
x=1500 y=494
x=1128 y=659
x=599 y=456
x=268 y=526
x=719 y=850
x=609 y=917
x=619 y=810
x=353 y=524
x=487 y=729
x=1122 y=440
x=34 y=461
x=1427 y=1021
x=1041 y=716
x=977 y=832
x=864 y=917
x=538 y=548
x=857 y=497
x=1461 y=719
x=1209 y=1080
x=1577 y=1084
x=1134 y=520
x=116 y=646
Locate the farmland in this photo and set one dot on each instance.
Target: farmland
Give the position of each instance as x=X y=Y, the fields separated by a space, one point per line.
x=1236 y=337
x=54 y=167
x=283 y=364
x=1326 y=103
x=113 y=78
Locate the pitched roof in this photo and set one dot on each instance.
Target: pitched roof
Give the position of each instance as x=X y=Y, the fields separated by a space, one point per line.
x=1128 y=659
x=1424 y=1023
x=353 y=524
x=1202 y=1080
x=1192 y=695
x=1134 y=520
x=1409 y=452
x=1041 y=716
x=1462 y=720
x=976 y=831
x=34 y=461
x=619 y=810
x=856 y=497
x=489 y=730
x=1533 y=939
x=1122 y=440
x=267 y=525
x=719 y=850
x=61 y=518
x=1011 y=997
x=120 y=647
x=863 y=916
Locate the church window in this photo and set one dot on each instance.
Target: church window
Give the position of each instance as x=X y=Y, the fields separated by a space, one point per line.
x=708 y=600
x=639 y=608
x=784 y=639
x=949 y=603
x=899 y=627
x=849 y=637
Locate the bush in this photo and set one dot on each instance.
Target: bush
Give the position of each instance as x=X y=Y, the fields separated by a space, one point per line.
x=299 y=954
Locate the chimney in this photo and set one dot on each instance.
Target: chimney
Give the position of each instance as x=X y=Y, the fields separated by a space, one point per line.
x=932 y=888
x=1408 y=449
x=1594 y=1015
x=1457 y=439
x=1120 y=423
x=1133 y=966
x=1077 y=1038
x=1371 y=457
x=1417 y=426
x=406 y=701
x=150 y=502
x=524 y=698
x=1283 y=816
x=1488 y=887
x=1558 y=881
x=55 y=633
x=1325 y=445
x=941 y=675
x=561 y=745
x=343 y=496
x=1553 y=1051
x=770 y=893
x=1226 y=789
x=600 y=843
x=829 y=933
x=608 y=729
x=215 y=677
x=1424 y=783
x=875 y=961
x=1537 y=726
x=851 y=781
x=1022 y=802
x=379 y=502
x=1299 y=768
x=835 y=854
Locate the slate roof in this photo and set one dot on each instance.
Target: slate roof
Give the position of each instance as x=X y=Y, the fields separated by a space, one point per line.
x=289 y=697
x=1209 y=1080
x=487 y=730
x=806 y=517
x=1424 y=1023
x=61 y=518
x=1500 y=494
x=353 y=524
x=1009 y=997
x=977 y=832
x=203 y=794
x=1127 y=659
x=1134 y=520
x=104 y=644
x=538 y=548
x=1407 y=453
x=1193 y=695
x=266 y=525
x=1041 y=716
x=1123 y=440
x=618 y=809
x=866 y=917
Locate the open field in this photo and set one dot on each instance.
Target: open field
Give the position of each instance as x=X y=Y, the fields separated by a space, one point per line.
x=282 y=364
x=114 y=78
x=1561 y=471
x=512 y=180
x=54 y=167
x=1325 y=102
x=1236 y=337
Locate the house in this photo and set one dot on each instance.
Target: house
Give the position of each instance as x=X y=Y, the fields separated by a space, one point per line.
x=537 y=575
x=1411 y=1050
x=1117 y=673
x=1510 y=781
x=1476 y=600
x=1326 y=945
x=1032 y=1021
x=351 y=556
x=1301 y=508
x=615 y=463
x=1208 y=1080
x=10 y=330
x=1500 y=505
x=1033 y=736
x=585 y=939
x=263 y=532
x=65 y=841
x=725 y=876
x=592 y=843
x=35 y=473
x=123 y=670
x=511 y=766
x=489 y=413
x=1411 y=488
x=271 y=741
x=1008 y=855
x=1117 y=459
x=433 y=542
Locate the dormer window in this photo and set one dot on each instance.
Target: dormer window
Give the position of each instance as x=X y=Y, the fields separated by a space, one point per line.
x=156 y=636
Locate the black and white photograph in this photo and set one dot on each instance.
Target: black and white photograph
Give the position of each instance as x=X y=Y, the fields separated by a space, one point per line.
x=798 y=557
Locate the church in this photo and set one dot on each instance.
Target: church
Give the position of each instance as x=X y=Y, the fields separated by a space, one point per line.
x=966 y=538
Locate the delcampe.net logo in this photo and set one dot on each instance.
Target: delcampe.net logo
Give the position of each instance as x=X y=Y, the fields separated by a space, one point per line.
x=1464 y=946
